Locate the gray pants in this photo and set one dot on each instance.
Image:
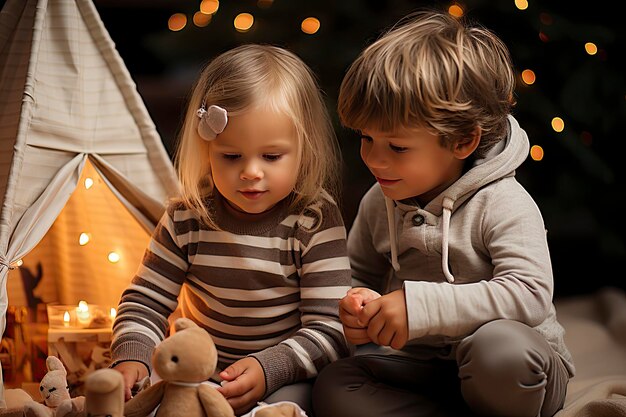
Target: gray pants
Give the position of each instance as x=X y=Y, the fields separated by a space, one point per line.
x=299 y=393
x=504 y=369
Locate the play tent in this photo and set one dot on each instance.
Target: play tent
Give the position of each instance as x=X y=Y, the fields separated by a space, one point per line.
x=83 y=172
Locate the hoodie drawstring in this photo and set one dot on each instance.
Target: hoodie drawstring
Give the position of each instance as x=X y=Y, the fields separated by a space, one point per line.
x=448 y=204
x=393 y=239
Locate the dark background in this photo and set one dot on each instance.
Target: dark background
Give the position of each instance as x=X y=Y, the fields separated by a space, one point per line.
x=579 y=184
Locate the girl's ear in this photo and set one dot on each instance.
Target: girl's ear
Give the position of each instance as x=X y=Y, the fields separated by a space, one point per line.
x=463 y=148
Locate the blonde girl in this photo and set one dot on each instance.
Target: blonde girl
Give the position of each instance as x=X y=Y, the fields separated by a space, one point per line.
x=254 y=250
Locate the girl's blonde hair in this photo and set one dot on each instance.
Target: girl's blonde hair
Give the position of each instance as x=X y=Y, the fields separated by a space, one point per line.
x=435 y=71
x=260 y=75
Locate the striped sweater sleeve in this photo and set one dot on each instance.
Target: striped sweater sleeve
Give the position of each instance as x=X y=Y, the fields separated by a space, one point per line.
x=324 y=269
x=146 y=304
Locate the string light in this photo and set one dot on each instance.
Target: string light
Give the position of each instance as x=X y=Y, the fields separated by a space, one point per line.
x=456 y=10
x=243 y=22
x=83 y=239
x=536 y=153
x=558 y=124
x=591 y=48
x=88 y=183
x=113 y=257
x=528 y=76
x=209 y=6
x=201 y=19
x=177 y=22
x=521 y=4
x=310 y=25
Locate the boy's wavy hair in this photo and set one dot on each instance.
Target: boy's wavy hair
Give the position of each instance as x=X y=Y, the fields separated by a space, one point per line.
x=434 y=71
x=260 y=75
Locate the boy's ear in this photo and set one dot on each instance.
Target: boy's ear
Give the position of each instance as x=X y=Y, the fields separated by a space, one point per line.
x=466 y=146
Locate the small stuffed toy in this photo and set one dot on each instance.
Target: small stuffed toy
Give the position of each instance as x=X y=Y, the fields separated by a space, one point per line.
x=55 y=394
x=184 y=361
x=104 y=394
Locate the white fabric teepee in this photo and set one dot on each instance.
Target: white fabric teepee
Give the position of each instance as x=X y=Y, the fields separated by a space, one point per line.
x=67 y=102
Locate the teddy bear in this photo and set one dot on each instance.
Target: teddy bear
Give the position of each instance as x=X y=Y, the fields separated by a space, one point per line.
x=55 y=394
x=184 y=361
x=104 y=393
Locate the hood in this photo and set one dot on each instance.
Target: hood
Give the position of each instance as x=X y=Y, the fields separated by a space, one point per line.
x=501 y=161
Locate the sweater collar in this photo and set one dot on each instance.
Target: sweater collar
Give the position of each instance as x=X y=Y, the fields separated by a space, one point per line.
x=235 y=221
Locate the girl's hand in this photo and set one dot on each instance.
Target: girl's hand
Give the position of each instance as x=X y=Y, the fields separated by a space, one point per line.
x=386 y=320
x=244 y=384
x=132 y=371
x=350 y=307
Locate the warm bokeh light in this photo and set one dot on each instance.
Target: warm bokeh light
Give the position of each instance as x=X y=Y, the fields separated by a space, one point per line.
x=456 y=10
x=113 y=313
x=18 y=263
x=83 y=239
x=536 y=153
x=528 y=76
x=209 y=6
x=591 y=48
x=88 y=183
x=521 y=4
x=310 y=25
x=201 y=20
x=177 y=22
x=66 y=318
x=113 y=257
x=264 y=4
x=558 y=124
x=243 y=22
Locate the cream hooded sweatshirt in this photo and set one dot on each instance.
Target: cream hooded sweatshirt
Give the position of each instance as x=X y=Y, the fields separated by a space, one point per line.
x=476 y=253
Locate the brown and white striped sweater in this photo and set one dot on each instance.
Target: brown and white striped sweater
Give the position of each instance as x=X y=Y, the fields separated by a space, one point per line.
x=265 y=285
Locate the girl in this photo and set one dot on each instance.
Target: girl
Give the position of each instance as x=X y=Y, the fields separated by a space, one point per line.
x=254 y=250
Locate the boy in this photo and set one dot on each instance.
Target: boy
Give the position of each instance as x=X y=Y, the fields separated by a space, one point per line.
x=466 y=324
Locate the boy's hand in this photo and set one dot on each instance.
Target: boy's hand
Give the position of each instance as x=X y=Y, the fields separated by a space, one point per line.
x=386 y=320
x=243 y=385
x=350 y=307
x=132 y=371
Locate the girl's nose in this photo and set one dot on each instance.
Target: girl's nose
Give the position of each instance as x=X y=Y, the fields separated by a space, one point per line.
x=251 y=171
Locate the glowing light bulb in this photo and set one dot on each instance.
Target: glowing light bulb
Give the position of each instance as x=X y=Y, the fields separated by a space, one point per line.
x=113 y=313
x=66 y=319
x=114 y=257
x=88 y=183
x=83 y=239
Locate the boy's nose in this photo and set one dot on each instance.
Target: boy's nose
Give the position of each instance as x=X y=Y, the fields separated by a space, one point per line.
x=374 y=159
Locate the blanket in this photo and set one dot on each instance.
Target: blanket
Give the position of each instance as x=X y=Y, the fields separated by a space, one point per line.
x=596 y=336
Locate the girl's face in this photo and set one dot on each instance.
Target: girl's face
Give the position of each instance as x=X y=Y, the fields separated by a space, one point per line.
x=410 y=163
x=255 y=160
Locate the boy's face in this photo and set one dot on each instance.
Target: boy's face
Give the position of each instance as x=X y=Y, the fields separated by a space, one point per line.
x=410 y=163
x=254 y=161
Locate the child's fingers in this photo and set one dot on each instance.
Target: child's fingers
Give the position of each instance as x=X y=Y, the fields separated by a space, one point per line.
x=232 y=372
x=356 y=336
x=233 y=389
x=348 y=319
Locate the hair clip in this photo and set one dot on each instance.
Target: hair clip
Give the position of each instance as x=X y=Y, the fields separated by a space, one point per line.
x=212 y=121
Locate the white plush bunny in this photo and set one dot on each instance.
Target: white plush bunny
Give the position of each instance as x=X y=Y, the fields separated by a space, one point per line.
x=55 y=394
